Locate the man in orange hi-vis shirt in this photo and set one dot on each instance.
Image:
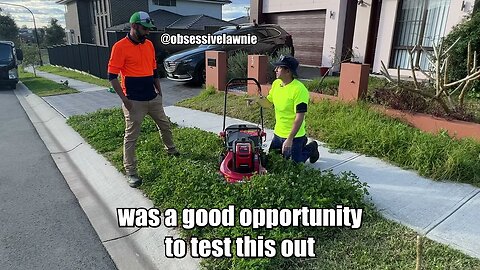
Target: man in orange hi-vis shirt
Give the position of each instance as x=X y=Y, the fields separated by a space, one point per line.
x=133 y=57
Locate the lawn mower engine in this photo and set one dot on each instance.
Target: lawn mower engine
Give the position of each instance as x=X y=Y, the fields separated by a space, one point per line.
x=243 y=155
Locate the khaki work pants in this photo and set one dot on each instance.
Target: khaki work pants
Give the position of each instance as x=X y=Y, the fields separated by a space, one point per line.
x=133 y=121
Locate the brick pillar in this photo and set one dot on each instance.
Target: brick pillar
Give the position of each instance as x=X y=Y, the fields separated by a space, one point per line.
x=353 y=81
x=257 y=68
x=216 y=69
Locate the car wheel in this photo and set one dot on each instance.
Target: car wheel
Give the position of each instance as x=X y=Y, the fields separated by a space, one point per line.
x=13 y=86
x=200 y=75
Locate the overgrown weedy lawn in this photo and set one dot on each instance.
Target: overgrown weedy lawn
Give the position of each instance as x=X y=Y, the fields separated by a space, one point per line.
x=360 y=129
x=191 y=181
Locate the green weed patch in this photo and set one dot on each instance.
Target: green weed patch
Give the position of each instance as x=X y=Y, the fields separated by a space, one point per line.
x=191 y=181
x=360 y=129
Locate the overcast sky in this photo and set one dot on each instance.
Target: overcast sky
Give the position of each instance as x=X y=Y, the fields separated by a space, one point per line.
x=44 y=10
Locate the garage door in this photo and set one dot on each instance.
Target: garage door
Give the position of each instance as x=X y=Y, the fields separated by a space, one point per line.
x=307 y=29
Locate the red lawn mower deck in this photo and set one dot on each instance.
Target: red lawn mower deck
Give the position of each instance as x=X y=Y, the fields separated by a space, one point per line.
x=243 y=155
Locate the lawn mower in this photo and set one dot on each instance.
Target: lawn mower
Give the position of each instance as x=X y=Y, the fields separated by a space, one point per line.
x=243 y=155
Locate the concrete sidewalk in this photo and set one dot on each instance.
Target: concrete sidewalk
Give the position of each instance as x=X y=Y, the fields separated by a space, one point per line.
x=445 y=212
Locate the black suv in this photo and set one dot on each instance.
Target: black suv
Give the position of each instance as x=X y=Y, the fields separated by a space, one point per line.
x=189 y=65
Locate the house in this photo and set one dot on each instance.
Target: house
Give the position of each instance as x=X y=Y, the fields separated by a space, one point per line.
x=324 y=31
x=172 y=23
x=86 y=20
x=212 y=8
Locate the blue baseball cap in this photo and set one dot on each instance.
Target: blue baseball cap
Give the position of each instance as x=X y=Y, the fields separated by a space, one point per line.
x=289 y=62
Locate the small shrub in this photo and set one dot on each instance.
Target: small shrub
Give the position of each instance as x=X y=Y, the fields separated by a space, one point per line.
x=237 y=65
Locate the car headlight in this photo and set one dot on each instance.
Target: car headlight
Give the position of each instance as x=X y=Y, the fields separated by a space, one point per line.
x=12 y=74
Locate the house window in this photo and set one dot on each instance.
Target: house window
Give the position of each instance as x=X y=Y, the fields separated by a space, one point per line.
x=165 y=2
x=419 y=22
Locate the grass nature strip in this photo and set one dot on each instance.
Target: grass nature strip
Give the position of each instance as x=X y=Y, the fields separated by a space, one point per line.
x=191 y=181
x=43 y=87
x=359 y=128
x=74 y=75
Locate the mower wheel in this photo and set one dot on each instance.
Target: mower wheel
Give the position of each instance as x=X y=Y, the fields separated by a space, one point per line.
x=220 y=159
x=263 y=159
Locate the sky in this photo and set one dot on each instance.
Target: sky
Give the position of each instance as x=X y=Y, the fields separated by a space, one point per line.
x=44 y=10
x=235 y=9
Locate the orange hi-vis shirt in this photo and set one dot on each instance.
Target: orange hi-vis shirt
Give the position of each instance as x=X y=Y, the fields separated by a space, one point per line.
x=135 y=62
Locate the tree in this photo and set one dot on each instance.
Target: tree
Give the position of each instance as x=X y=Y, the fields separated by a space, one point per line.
x=30 y=55
x=8 y=28
x=54 y=34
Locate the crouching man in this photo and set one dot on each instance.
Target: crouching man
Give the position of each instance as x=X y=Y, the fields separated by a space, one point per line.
x=289 y=98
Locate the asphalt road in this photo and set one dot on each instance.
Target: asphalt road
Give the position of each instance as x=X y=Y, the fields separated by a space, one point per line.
x=42 y=226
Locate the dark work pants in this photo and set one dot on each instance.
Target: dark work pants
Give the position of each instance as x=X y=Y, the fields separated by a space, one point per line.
x=300 y=150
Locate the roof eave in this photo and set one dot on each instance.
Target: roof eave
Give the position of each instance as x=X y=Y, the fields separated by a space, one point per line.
x=64 y=2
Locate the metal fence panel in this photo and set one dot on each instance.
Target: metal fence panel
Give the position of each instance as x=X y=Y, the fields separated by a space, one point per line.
x=89 y=58
x=76 y=57
x=84 y=60
x=103 y=57
x=93 y=63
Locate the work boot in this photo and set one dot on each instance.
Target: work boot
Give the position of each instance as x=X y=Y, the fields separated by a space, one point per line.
x=175 y=154
x=134 y=181
x=314 y=155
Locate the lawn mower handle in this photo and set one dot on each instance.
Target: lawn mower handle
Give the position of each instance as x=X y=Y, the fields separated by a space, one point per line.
x=231 y=81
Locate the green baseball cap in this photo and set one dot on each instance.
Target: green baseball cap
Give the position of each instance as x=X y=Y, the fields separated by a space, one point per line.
x=143 y=18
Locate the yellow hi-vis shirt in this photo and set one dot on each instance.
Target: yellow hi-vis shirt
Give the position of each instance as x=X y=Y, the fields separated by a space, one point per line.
x=285 y=100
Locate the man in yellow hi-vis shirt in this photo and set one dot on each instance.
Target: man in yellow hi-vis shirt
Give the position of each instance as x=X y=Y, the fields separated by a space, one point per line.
x=290 y=99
